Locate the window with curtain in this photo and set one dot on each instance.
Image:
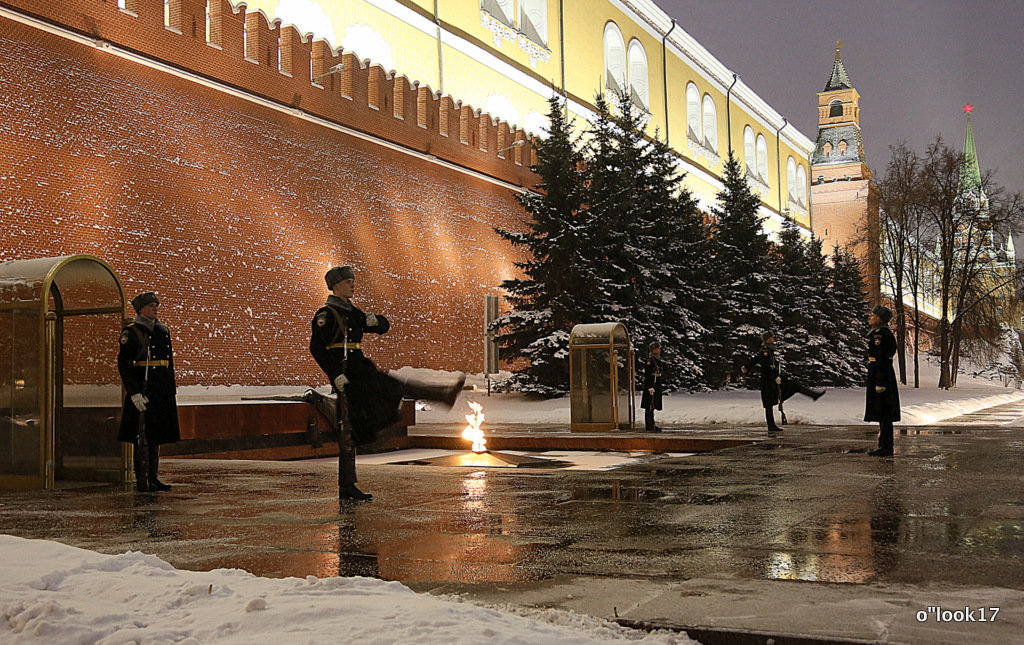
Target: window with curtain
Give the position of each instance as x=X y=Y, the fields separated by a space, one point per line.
x=710 y=123
x=791 y=179
x=639 y=91
x=693 y=120
x=801 y=185
x=749 y=154
x=533 y=20
x=501 y=10
x=762 y=158
x=614 y=59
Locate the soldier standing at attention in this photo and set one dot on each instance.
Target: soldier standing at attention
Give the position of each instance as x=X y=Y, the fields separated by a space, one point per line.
x=775 y=386
x=373 y=397
x=883 y=398
x=651 y=399
x=145 y=362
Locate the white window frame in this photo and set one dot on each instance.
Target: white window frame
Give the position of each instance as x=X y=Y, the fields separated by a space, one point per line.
x=791 y=178
x=762 y=158
x=694 y=122
x=614 y=56
x=534 y=12
x=749 y=151
x=506 y=10
x=638 y=75
x=710 y=120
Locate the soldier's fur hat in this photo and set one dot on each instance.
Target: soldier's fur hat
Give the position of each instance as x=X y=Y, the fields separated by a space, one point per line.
x=883 y=313
x=653 y=345
x=143 y=299
x=337 y=274
x=766 y=334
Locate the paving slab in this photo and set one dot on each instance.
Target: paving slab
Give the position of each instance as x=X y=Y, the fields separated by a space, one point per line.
x=801 y=534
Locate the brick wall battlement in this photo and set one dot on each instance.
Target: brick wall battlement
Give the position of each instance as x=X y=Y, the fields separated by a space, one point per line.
x=231 y=203
x=250 y=52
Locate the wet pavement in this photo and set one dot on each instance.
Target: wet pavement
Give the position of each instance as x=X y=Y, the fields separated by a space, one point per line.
x=799 y=534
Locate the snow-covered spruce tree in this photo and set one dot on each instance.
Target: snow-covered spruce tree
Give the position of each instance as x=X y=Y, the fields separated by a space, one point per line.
x=556 y=292
x=845 y=319
x=799 y=302
x=742 y=276
x=654 y=256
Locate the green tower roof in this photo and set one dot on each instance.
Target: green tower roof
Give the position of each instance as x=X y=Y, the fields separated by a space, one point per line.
x=839 y=79
x=970 y=173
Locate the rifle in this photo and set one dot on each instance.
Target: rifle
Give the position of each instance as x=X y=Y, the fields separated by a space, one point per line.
x=141 y=442
x=341 y=418
x=778 y=386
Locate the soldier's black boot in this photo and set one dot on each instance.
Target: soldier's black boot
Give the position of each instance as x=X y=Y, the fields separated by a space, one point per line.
x=154 y=465
x=443 y=394
x=141 y=475
x=770 y=418
x=885 y=441
x=350 y=492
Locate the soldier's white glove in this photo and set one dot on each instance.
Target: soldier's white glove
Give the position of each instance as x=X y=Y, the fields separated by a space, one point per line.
x=743 y=369
x=650 y=391
x=879 y=388
x=778 y=380
x=140 y=402
x=339 y=381
x=371 y=320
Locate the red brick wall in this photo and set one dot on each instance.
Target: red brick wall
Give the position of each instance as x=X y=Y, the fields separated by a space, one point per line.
x=233 y=211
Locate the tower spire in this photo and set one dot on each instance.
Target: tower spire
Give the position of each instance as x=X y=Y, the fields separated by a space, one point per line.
x=970 y=174
x=839 y=79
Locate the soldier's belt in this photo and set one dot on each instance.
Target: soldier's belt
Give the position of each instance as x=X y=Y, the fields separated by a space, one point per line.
x=152 y=363
x=344 y=346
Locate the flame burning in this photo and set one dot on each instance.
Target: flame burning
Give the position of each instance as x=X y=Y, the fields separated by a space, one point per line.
x=473 y=432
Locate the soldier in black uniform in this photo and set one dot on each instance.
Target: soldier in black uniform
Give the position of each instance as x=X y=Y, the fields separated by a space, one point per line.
x=651 y=399
x=146 y=364
x=883 y=397
x=775 y=386
x=373 y=397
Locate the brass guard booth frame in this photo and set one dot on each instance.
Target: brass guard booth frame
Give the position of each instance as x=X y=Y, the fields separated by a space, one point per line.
x=613 y=338
x=27 y=286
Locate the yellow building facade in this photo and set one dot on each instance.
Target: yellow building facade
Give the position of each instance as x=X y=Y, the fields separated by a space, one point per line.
x=506 y=58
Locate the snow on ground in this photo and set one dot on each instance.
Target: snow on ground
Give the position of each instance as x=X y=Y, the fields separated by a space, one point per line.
x=53 y=593
x=842 y=406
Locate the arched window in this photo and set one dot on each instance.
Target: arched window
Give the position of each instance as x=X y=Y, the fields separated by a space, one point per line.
x=533 y=20
x=835 y=108
x=614 y=59
x=762 y=158
x=841 y=148
x=501 y=10
x=693 y=121
x=801 y=185
x=710 y=123
x=638 y=82
x=791 y=179
x=749 y=153
x=827 y=149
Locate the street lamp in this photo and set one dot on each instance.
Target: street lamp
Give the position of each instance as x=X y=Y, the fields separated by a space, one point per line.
x=515 y=144
x=331 y=70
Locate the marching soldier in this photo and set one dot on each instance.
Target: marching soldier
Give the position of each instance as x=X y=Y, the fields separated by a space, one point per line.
x=883 y=397
x=373 y=397
x=775 y=386
x=149 y=416
x=651 y=399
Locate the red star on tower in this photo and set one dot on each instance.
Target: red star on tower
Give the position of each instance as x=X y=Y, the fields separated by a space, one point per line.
x=968 y=108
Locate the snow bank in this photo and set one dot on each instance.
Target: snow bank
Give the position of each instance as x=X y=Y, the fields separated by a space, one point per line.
x=53 y=593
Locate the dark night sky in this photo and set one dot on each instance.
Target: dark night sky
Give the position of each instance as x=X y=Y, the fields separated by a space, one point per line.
x=916 y=63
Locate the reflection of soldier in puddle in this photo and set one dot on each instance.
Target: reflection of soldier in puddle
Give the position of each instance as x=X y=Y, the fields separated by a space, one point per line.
x=352 y=556
x=149 y=518
x=886 y=517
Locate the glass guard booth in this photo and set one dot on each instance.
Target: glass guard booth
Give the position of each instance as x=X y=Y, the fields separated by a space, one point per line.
x=600 y=377
x=60 y=393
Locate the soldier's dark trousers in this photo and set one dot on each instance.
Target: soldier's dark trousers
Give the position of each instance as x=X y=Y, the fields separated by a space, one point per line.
x=144 y=480
x=649 y=425
x=769 y=417
x=346 y=459
x=885 y=442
